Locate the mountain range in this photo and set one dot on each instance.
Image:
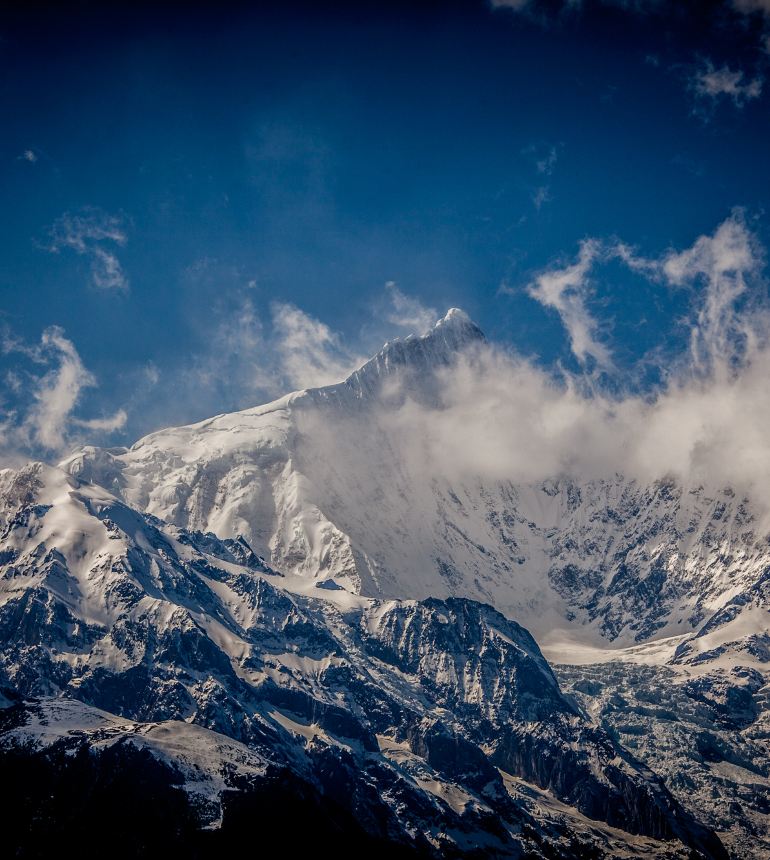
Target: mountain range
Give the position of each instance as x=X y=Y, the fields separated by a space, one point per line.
x=293 y=613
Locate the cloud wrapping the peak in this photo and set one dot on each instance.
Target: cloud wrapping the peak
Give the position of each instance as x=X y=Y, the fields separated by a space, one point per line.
x=504 y=418
x=94 y=234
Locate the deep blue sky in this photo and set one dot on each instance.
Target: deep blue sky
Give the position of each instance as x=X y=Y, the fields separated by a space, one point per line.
x=309 y=155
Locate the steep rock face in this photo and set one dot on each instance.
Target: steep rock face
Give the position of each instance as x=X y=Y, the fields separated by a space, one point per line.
x=406 y=712
x=707 y=736
x=490 y=674
x=325 y=484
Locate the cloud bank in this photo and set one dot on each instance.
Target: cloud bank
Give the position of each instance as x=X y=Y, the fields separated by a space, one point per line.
x=502 y=417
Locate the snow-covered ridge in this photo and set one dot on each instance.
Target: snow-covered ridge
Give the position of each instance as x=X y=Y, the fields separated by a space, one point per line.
x=152 y=624
x=323 y=486
x=295 y=578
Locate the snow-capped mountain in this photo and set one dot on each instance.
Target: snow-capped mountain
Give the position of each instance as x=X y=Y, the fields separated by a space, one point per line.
x=289 y=595
x=321 y=483
x=437 y=723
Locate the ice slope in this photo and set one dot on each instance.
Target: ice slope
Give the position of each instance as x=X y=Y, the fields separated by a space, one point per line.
x=420 y=716
x=322 y=484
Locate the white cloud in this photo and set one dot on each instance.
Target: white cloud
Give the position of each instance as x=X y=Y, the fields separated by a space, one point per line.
x=57 y=392
x=94 y=234
x=45 y=421
x=249 y=360
x=28 y=155
x=566 y=291
x=311 y=354
x=716 y=83
x=409 y=312
x=724 y=263
x=504 y=418
x=104 y=425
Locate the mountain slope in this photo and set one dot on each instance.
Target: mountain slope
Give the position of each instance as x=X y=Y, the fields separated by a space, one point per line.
x=434 y=723
x=324 y=483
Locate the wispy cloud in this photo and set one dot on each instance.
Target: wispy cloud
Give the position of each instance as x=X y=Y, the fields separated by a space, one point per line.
x=566 y=290
x=545 y=9
x=723 y=263
x=715 y=84
x=408 y=312
x=28 y=155
x=504 y=417
x=708 y=82
x=93 y=234
x=311 y=354
x=47 y=393
x=251 y=354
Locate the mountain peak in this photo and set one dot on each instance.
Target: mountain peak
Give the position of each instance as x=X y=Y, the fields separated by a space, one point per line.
x=416 y=357
x=455 y=316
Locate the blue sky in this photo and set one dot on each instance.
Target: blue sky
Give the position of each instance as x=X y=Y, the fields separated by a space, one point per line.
x=208 y=204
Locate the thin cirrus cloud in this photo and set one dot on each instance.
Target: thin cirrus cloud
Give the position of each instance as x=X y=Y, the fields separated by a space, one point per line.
x=541 y=196
x=54 y=379
x=516 y=5
x=742 y=7
x=95 y=235
x=749 y=7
